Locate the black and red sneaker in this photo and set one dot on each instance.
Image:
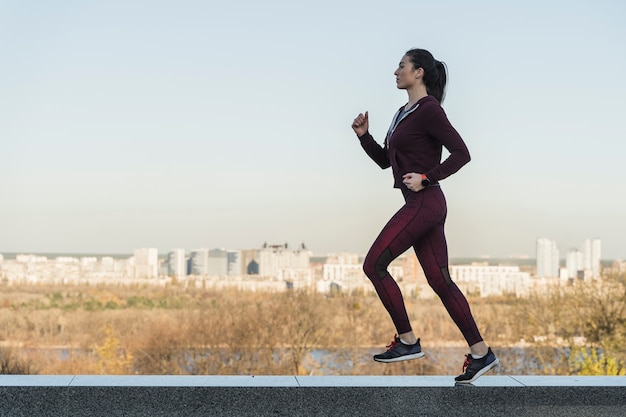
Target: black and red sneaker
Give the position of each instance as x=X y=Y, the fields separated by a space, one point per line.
x=398 y=351
x=474 y=368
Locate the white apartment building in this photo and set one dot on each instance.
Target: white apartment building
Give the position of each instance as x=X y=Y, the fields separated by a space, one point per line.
x=31 y=269
x=177 y=263
x=585 y=264
x=274 y=258
x=342 y=272
x=217 y=263
x=146 y=263
x=574 y=263
x=343 y=268
x=199 y=260
x=486 y=280
x=547 y=258
x=234 y=267
x=592 y=249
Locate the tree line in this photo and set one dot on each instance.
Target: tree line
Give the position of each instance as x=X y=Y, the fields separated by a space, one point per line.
x=574 y=330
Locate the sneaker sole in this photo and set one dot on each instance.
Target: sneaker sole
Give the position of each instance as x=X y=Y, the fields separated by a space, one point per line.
x=401 y=358
x=480 y=373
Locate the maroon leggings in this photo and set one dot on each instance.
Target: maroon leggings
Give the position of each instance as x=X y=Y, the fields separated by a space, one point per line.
x=420 y=224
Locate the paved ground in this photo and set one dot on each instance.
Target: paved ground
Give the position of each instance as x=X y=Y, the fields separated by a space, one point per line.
x=85 y=395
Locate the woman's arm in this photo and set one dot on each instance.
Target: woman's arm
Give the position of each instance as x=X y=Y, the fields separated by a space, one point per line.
x=374 y=150
x=371 y=147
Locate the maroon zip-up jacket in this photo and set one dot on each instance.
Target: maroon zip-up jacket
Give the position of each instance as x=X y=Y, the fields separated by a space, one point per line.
x=417 y=142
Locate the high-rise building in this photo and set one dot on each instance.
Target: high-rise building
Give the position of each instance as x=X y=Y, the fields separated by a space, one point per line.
x=199 y=260
x=574 y=263
x=146 y=263
x=596 y=256
x=592 y=250
x=218 y=263
x=177 y=263
x=212 y=262
x=234 y=267
x=587 y=254
x=547 y=258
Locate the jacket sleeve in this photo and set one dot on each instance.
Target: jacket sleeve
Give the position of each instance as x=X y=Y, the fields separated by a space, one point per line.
x=440 y=128
x=374 y=150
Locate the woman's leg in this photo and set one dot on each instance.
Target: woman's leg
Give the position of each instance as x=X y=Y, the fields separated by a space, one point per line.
x=432 y=252
x=420 y=214
x=380 y=255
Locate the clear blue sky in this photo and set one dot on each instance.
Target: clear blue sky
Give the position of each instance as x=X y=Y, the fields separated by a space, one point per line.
x=193 y=124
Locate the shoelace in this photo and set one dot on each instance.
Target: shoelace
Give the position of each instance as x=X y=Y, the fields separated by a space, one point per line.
x=392 y=345
x=468 y=361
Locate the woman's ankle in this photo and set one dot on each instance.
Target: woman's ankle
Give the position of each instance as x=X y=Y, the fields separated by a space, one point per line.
x=408 y=338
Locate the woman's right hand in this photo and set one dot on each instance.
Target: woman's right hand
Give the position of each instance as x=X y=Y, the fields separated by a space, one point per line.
x=361 y=124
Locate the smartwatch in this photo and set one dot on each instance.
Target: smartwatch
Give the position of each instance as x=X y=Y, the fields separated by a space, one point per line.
x=425 y=181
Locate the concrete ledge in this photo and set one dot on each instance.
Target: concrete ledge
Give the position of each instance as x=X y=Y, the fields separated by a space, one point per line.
x=85 y=395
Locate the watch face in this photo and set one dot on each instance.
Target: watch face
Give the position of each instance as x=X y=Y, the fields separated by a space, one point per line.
x=425 y=182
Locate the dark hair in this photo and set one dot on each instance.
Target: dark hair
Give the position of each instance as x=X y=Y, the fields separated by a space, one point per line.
x=435 y=76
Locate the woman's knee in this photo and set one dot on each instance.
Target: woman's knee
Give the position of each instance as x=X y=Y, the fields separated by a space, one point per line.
x=376 y=266
x=440 y=281
x=369 y=267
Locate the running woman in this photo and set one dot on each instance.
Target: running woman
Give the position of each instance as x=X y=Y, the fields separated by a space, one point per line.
x=413 y=149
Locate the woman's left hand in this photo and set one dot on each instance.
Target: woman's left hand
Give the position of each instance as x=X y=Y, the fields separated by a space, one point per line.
x=413 y=181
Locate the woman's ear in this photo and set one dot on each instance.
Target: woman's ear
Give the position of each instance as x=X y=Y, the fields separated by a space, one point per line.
x=419 y=73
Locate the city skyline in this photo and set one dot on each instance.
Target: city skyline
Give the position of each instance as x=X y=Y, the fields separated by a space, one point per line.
x=283 y=268
x=166 y=124
x=587 y=251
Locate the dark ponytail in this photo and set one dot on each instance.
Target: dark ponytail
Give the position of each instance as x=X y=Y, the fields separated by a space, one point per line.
x=435 y=72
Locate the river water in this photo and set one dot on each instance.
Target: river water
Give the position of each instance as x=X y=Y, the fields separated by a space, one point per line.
x=437 y=360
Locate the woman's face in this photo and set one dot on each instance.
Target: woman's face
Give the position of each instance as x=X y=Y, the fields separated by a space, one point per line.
x=406 y=74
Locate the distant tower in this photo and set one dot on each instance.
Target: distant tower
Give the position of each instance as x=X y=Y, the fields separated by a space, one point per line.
x=587 y=254
x=176 y=263
x=574 y=263
x=199 y=260
x=234 y=263
x=547 y=258
x=596 y=256
x=146 y=263
x=592 y=252
x=218 y=262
